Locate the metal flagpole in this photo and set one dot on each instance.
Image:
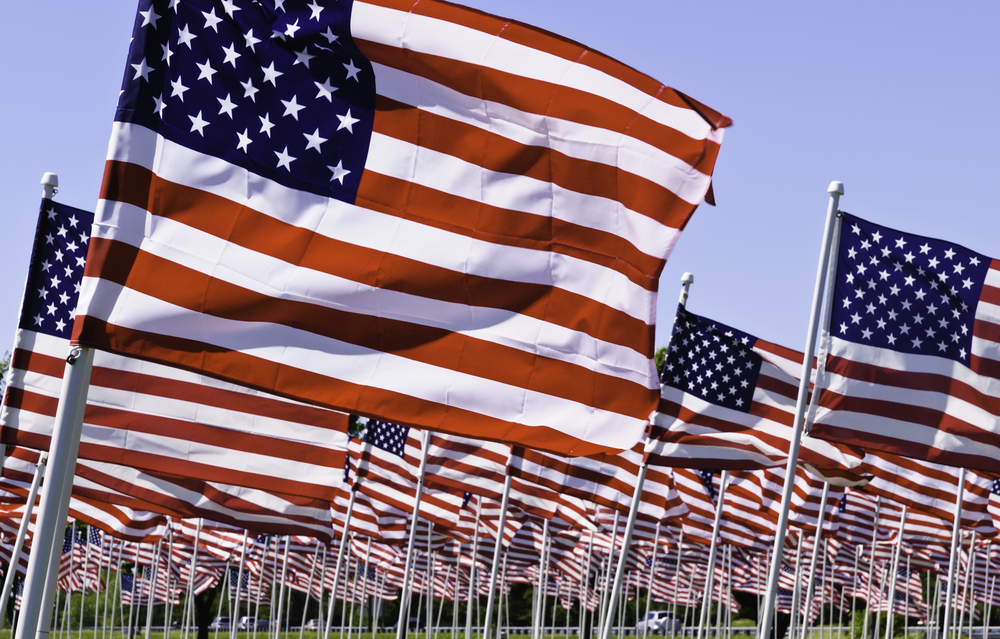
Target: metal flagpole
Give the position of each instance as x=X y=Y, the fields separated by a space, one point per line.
x=605 y=587
x=169 y=607
x=234 y=622
x=629 y=528
x=713 y=550
x=312 y=575
x=490 y=598
x=815 y=555
x=194 y=566
x=281 y=589
x=22 y=531
x=472 y=569
x=836 y=189
x=970 y=586
x=538 y=607
x=340 y=559
x=404 y=602
x=871 y=568
x=677 y=583
x=152 y=591
x=796 y=588
x=952 y=557
x=906 y=617
x=649 y=589
x=893 y=576
x=858 y=550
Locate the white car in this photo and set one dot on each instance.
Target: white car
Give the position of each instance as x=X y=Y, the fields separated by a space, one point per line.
x=658 y=621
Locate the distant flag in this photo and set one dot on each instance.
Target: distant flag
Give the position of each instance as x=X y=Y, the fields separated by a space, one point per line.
x=149 y=416
x=914 y=348
x=408 y=210
x=728 y=402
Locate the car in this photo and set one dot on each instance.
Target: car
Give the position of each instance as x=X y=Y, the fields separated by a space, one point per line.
x=312 y=624
x=658 y=621
x=246 y=623
x=219 y=623
x=263 y=624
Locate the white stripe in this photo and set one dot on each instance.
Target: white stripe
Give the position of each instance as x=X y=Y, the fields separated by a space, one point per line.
x=298 y=349
x=580 y=141
x=218 y=258
x=412 y=32
x=363 y=227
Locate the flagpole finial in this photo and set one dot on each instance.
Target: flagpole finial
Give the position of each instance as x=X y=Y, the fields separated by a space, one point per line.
x=49 y=183
x=835 y=187
x=686 y=281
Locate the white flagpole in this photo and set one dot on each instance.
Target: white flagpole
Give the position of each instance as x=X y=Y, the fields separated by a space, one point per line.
x=188 y=603
x=340 y=560
x=797 y=588
x=858 y=550
x=22 y=531
x=893 y=576
x=677 y=587
x=404 y=602
x=605 y=587
x=312 y=574
x=649 y=588
x=169 y=606
x=952 y=557
x=815 y=555
x=623 y=556
x=281 y=590
x=490 y=598
x=234 y=622
x=871 y=568
x=713 y=550
x=538 y=605
x=152 y=590
x=472 y=569
x=836 y=189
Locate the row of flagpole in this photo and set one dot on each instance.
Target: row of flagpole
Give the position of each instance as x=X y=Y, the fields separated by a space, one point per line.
x=35 y=617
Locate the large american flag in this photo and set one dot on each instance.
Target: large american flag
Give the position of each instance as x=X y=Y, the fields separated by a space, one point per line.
x=407 y=210
x=150 y=416
x=914 y=348
x=728 y=402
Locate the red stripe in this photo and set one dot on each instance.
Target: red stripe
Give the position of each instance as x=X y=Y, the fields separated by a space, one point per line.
x=263 y=234
x=291 y=382
x=553 y=101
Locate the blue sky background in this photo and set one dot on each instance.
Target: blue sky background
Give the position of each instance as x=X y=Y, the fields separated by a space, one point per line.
x=900 y=101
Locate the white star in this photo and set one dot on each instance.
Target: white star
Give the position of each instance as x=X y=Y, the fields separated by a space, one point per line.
x=270 y=75
x=159 y=106
x=933 y=262
x=229 y=7
x=265 y=124
x=244 y=140
x=60 y=325
x=339 y=172
x=46 y=266
x=959 y=268
x=900 y=243
x=855 y=318
x=38 y=319
x=184 y=36
x=904 y=329
x=211 y=20
x=942 y=346
x=63 y=298
x=851 y=253
x=292 y=28
x=917 y=342
x=330 y=36
x=62 y=231
x=285 y=160
x=891 y=339
x=924 y=249
x=857 y=231
x=315 y=9
x=314 y=140
x=352 y=71
x=84 y=238
x=843 y=328
x=949 y=254
x=877 y=237
x=865 y=333
x=347 y=122
x=142 y=70
x=173 y=5
x=198 y=124
x=55 y=282
x=961 y=353
x=178 y=88
x=325 y=90
x=974 y=261
x=292 y=107
x=206 y=71
x=249 y=90
x=251 y=40
x=231 y=55
x=226 y=105
x=166 y=53
x=59 y=255
x=149 y=17
x=303 y=57
x=967 y=283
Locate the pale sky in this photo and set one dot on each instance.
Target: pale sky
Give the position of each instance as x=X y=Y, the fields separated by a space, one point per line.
x=897 y=100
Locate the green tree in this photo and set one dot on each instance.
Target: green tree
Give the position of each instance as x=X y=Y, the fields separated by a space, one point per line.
x=659 y=357
x=4 y=367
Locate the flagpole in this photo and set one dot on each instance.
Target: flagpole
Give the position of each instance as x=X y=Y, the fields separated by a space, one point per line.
x=194 y=566
x=169 y=606
x=312 y=575
x=538 y=606
x=22 y=531
x=152 y=590
x=472 y=569
x=713 y=550
x=281 y=589
x=836 y=189
x=952 y=557
x=815 y=554
x=871 y=568
x=340 y=559
x=504 y=502
x=649 y=589
x=235 y=620
x=893 y=576
x=404 y=602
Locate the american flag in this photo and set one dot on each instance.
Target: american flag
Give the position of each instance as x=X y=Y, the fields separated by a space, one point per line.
x=407 y=210
x=914 y=348
x=150 y=416
x=728 y=402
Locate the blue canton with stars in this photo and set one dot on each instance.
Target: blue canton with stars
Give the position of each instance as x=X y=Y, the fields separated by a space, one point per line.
x=56 y=270
x=905 y=292
x=277 y=87
x=712 y=361
x=389 y=437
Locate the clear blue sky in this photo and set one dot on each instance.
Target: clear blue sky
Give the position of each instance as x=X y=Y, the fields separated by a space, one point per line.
x=900 y=101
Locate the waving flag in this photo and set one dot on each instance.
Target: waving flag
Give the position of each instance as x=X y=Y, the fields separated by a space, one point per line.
x=728 y=401
x=914 y=348
x=154 y=417
x=408 y=210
